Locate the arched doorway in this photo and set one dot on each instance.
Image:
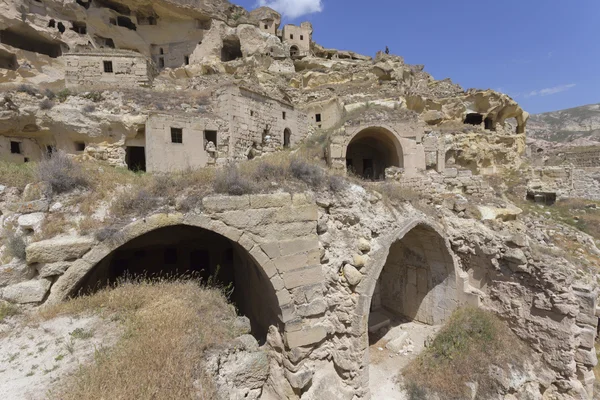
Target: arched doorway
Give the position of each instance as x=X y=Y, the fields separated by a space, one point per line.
x=190 y=251
x=371 y=151
x=414 y=293
x=294 y=51
x=287 y=137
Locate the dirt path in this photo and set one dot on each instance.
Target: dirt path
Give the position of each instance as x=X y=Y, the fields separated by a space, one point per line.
x=34 y=357
x=385 y=364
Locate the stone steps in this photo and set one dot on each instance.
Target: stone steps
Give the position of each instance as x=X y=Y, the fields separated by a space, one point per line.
x=377 y=320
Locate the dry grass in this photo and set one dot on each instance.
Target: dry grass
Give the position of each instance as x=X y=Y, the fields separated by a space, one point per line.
x=463 y=351
x=17 y=175
x=53 y=225
x=61 y=173
x=7 y=310
x=168 y=325
x=15 y=245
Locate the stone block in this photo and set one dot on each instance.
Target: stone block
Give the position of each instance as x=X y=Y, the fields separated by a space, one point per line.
x=15 y=272
x=316 y=307
x=297 y=214
x=270 y=200
x=28 y=207
x=302 y=199
x=271 y=249
x=587 y=338
x=451 y=172
x=586 y=357
x=303 y=277
x=226 y=203
x=27 y=292
x=53 y=269
x=305 y=336
x=352 y=275
x=58 y=249
x=31 y=221
x=301 y=245
x=291 y=263
x=396 y=345
x=284 y=297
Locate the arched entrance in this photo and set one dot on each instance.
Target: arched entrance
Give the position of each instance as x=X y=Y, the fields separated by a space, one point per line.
x=411 y=290
x=373 y=150
x=294 y=51
x=190 y=251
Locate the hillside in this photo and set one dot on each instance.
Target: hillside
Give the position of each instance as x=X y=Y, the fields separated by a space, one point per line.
x=576 y=126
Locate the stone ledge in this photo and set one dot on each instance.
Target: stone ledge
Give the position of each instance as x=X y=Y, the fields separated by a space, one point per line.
x=226 y=203
x=270 y=200
x=305 y=336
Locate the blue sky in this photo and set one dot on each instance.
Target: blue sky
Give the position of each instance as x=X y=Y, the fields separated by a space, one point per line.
x=544 y=53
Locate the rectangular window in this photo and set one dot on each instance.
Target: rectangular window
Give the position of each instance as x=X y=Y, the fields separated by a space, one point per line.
x=161 y=62
x=108 y=67
x=79 y=146
x=318 y=117
x=186 y=60
x=291 y=35
x=15 y=147
x=251 y=113
x=266 y=27
x=284 y=115
x=210 y=136
x=176 y=135
x=301 y=37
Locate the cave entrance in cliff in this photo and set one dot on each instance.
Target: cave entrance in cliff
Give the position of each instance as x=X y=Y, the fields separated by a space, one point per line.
x=371 y=151
x=190 y=252
x=8 y=60
x=232 y=49
x=473 y=119
x=29 y=40
x=416 y=285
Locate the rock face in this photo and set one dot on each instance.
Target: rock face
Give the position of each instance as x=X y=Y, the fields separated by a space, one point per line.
x=59 y=249
x=313 y=266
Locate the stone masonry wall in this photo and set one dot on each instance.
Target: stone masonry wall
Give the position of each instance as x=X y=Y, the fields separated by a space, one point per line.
x=257 y=123
x=87 y=70
x=566 y=181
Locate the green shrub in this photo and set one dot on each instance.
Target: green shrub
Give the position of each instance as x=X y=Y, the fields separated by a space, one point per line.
x=15 y=245
x=46 y=104
x=470 y=342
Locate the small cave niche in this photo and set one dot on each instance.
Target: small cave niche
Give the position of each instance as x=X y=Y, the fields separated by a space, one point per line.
x=30 y=41
x=489 y=124
x=232 y=49
x=61 y=27
x=120 y=8
x=126 y=23
x=8 y=61
x=79 y=27
x=52 y=24
x=474 y=119
x=546 y=198
x=84 y=4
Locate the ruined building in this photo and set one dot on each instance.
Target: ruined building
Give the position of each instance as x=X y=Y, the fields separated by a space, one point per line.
x=179 y=85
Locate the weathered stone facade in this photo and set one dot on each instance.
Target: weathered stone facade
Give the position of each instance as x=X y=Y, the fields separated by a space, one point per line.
x=111 y=68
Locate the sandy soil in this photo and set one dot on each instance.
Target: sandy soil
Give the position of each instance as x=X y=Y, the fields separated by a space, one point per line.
x=36 y=357
x=385 y=365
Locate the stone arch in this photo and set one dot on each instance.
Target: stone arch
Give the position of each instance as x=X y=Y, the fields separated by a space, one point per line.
x=428 y=247
x=446 y=285
x=294 y=51
x=261 y=304
x=371 y=150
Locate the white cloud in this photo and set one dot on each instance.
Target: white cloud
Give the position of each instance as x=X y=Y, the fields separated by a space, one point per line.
x=293 y=8
x=549 y=91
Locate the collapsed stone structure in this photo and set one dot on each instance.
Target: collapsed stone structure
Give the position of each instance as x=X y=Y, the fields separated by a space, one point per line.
x=313 y=271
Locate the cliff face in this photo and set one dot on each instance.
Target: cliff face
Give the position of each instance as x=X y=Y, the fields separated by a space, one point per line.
x=573 y=126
